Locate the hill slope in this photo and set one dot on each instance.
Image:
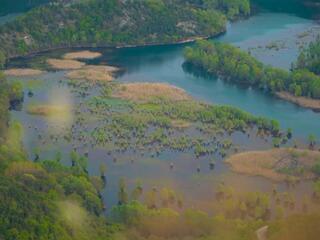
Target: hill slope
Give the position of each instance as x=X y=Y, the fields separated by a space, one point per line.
x=116 y=23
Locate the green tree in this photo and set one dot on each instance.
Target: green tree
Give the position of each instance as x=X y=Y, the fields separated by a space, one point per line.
x=312 y=140
x=103 y=169
x=122 y=192
x=137 y=191
x=2 y=60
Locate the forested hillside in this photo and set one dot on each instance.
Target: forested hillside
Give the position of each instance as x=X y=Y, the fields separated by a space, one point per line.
x=116 y=23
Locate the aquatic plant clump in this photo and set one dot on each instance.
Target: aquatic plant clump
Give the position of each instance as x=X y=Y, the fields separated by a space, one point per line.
x=93 y=73
x=144 y=92
x=63 y=64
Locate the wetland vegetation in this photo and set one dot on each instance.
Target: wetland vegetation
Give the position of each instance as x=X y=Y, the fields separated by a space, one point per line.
x=147 y=118
x=278 y=164
x=90 y=148
x=144 y=116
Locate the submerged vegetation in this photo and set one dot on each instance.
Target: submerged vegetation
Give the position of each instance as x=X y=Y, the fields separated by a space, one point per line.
x=147 y=117
x=38 y=198
x=235 y=65
x=54 y=201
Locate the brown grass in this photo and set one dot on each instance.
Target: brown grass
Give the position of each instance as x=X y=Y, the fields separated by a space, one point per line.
x=63 y=64
x=82 y=55
x=47 y=110
x=180 y=123
x=93 y=73
x=266 y=163
x=301 y=101
x=144 y=92
x=22 y=72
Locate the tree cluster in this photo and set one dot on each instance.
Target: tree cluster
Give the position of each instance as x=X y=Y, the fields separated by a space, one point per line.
x=234 y=65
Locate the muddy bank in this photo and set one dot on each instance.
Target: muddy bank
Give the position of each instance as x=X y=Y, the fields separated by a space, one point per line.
x=306 y=102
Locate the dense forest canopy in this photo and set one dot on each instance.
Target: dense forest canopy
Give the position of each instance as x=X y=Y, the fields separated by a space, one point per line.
x=116 y=23
x=309 y=58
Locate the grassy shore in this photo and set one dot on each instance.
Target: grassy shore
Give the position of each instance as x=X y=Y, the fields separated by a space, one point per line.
x=22 y=72
x=276 y=164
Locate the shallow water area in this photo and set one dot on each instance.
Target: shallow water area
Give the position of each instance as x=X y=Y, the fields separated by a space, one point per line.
x=164 y=64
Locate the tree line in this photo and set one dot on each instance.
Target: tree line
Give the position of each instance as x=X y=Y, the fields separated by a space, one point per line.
x=234 y=65
x=116 y=23
x=309 y=57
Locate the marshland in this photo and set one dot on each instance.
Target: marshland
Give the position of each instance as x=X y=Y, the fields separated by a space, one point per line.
x=144 y=135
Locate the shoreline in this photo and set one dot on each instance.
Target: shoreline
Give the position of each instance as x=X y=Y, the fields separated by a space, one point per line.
x=90 y=46
x=305 y=102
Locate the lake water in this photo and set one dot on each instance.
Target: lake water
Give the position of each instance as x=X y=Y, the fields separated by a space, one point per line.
x=164 y=64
